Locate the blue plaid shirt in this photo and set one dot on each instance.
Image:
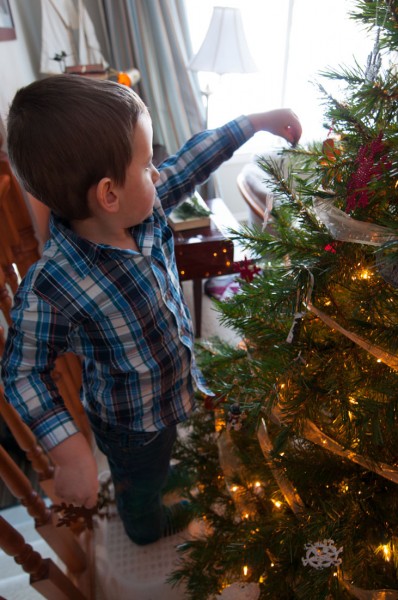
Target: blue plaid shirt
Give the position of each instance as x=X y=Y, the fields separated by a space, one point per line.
x=121 y=311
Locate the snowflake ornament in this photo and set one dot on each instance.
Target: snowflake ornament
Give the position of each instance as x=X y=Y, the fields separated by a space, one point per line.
x=247 y=269
x=321 y=555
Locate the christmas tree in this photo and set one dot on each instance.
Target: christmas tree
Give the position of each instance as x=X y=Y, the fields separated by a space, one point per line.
x=296 y=456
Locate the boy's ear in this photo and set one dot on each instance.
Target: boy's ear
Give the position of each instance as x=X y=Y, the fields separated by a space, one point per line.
x=105 y=195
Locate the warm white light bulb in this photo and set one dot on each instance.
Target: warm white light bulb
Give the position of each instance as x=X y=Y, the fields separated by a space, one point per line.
x=387 y=552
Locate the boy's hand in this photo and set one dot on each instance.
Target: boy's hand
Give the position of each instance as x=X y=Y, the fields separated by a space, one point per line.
x=75 y=476
x=281 y=122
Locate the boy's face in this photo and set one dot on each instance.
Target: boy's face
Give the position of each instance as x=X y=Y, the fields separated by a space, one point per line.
x=137 y=195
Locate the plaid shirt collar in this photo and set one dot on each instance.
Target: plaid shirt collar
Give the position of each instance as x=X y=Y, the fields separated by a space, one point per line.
x=84 y=255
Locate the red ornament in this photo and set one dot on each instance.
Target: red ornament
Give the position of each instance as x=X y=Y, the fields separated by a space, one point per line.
x=247 y=269
x=209 y=403
x=371 y=163
x=331 y=247
x=212 y=402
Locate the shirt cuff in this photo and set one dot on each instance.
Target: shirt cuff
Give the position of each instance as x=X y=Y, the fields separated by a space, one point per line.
x=246 y=126
x=53 y=428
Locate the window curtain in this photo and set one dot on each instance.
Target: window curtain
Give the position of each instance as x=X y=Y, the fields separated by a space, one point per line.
x=153 y=36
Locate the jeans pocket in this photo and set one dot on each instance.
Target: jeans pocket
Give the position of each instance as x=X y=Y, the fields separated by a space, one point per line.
x=141 y=440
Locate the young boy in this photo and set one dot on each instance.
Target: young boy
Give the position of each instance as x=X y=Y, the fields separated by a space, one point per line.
x=107 y=289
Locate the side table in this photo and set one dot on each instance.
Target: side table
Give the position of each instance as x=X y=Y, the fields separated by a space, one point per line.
x=207 y=252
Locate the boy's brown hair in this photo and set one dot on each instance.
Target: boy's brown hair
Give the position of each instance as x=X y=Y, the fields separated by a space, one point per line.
x=67 y=132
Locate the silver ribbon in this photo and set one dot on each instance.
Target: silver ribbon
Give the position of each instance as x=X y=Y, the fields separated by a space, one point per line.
x=362 y=594
x=346 y=229
x=286 y=487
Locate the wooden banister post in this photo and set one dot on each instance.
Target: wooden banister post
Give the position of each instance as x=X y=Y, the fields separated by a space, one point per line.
x=67 y=376
x=45 y=576
x=22 y=242
x=26 y=439
x=27 y=442
x=19 y=249
x=2 y=340
x=5 y=298
x=61 y=540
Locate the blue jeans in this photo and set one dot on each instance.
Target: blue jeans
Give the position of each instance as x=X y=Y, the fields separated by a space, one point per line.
x=139 y=465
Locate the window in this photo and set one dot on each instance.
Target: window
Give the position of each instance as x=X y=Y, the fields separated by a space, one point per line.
x=291 y=41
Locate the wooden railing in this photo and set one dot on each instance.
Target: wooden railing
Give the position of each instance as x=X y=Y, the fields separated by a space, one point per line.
x=19 y=249
x=27 y=442
x=45 y=576
x=61 y=540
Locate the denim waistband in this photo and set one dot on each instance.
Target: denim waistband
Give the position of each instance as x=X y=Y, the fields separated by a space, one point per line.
x=102 y=426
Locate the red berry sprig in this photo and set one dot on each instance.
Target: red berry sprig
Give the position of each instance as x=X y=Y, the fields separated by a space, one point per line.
x=371 y=163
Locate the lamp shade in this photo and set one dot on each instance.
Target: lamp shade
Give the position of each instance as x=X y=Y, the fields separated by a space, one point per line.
x=224 y=49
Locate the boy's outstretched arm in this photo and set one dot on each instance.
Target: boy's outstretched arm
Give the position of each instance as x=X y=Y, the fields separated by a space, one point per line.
x=282 y=122
x=207 y=150
x=75 y=477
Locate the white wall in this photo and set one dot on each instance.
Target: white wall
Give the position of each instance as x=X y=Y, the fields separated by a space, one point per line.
x=17 y=61
x=20 y=58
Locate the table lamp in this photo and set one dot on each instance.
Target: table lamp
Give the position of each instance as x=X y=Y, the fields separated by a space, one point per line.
x=224 y=49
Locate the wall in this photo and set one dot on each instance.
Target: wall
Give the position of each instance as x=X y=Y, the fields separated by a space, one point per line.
x=18 y=65
x=20 y=58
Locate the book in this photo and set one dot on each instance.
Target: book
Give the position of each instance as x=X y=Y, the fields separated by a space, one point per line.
x=190 y=214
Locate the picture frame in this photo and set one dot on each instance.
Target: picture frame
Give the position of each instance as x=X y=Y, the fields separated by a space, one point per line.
x=7 y=27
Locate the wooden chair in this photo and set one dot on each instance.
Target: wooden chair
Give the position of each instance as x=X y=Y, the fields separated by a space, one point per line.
x=19 y=248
